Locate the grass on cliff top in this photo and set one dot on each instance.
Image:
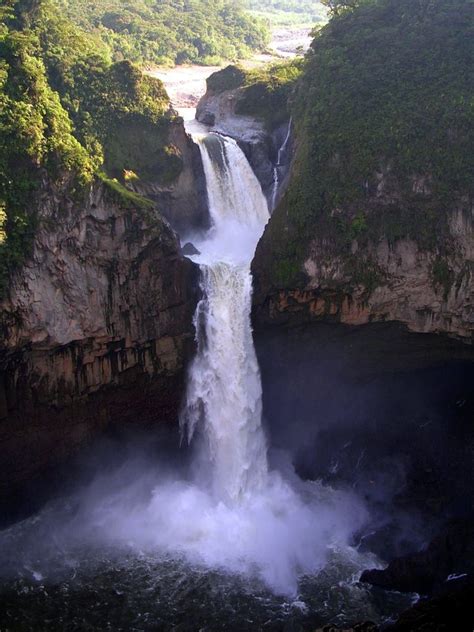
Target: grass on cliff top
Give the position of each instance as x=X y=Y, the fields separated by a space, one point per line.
x=124 y=197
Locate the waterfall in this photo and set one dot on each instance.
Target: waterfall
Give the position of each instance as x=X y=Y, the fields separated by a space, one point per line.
x=224 y=391
x=276 y=175
x=225 y=509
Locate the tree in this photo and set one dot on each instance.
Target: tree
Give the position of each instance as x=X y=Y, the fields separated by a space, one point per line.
x=337 y=7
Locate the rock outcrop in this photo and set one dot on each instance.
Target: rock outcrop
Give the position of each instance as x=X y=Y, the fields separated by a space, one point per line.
x=444 y=571
x=219 y=109
x=95 y=331
x=182 y=201
x=447 y=560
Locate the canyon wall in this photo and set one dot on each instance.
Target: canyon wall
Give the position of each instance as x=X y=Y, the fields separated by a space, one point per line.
x=427 y=290
x=377 y=222
x=96 y=328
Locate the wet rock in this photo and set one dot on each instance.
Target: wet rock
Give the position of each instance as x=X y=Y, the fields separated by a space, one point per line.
x=448 y=558
x=207 y=118
x=450 y=611
x=189 y=250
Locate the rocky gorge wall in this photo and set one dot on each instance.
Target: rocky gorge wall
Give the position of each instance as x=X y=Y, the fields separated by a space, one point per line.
x=427 y=290
x=377 y=223
x=183 y=201
x=96 y=329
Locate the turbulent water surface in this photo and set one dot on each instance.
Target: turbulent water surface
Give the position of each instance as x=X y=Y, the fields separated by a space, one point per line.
x=226 y=543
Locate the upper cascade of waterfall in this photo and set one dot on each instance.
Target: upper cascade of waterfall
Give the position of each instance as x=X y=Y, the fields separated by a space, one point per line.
x=237 y=205
x=224 y=394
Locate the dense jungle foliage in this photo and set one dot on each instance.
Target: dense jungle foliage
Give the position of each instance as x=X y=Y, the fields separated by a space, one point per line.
x=385 y=120
x=170 y=31
x=68 y=111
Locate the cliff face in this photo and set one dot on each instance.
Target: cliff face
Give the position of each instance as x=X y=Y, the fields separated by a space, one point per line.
x=96 y=329
x=428 y=290
x=377 y=223
x=183 y=201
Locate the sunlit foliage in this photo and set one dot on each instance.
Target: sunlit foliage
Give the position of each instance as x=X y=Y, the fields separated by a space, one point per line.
x=170 y=31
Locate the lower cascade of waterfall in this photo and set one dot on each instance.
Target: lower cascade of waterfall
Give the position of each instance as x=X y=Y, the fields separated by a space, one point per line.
x=223 y=540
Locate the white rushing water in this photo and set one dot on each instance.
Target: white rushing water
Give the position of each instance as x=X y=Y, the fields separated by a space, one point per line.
x=224 y=389
x=237 y=514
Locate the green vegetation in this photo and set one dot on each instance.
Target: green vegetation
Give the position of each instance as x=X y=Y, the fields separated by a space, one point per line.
x=443 y=276
x=35 y=132
x=267 y=92
x=170 y=31
x=228 y=78
x=122 y=195
x=385 y=103
x=339 y=7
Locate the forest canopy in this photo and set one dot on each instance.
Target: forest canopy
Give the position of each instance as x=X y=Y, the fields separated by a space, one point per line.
x=170 y=31
x=281 y=13
x=295 y=6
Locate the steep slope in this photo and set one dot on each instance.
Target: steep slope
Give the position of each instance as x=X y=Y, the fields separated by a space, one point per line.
x=377 y=224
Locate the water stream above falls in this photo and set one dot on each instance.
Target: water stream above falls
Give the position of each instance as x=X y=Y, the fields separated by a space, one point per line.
x=222 y=542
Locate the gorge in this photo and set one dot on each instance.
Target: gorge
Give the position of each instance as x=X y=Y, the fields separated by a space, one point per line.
x=236 y=365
